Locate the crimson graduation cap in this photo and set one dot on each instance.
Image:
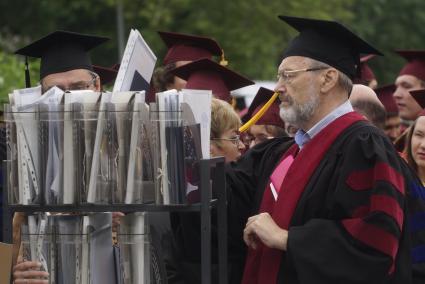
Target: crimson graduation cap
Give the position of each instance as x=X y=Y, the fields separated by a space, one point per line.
x=185 y=47
x=206 y=74
x=385 y=95
x=415 y=63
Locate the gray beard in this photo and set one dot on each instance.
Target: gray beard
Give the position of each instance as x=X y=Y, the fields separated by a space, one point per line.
x=298 y=114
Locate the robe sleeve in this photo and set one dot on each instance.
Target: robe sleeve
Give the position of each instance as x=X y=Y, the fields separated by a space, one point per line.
x=246 y=178
x=245 y=183
x=241 y=183
x=361 y=237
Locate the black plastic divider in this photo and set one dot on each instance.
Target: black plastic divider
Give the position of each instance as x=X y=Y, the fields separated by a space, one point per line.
x=220 y=190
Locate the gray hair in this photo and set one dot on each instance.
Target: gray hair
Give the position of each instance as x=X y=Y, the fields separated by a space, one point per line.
x=343 y=80
x=93 y=74
x=372 y=110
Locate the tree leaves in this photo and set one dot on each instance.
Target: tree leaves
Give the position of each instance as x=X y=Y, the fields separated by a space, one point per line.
x=249 y=31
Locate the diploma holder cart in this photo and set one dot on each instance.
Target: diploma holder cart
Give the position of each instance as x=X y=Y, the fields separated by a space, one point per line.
x=210 y=170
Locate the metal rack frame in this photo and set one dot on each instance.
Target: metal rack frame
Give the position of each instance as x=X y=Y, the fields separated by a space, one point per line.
x=217 y=175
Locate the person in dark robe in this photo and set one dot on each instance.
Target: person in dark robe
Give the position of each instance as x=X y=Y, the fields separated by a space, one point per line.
x=203 y=74
x=335 y=206
x=65 y=60
x=65 y=63
x=182 y=49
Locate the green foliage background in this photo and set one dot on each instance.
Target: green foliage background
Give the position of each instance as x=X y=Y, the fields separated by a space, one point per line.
x=248 y=30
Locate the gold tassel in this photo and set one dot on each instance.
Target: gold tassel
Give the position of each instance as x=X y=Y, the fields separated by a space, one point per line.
x=259 y=114
x=223 y=61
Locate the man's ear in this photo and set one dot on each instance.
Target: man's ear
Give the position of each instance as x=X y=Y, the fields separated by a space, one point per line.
x=329 y=79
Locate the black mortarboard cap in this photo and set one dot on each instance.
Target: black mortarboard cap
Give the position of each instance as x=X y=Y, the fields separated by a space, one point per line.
x=329 y=42
x=62 y=51
x=419 y=96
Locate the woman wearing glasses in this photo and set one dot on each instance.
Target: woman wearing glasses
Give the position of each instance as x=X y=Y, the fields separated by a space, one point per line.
x=225 y=124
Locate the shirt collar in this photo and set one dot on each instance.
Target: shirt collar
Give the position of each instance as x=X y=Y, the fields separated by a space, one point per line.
x=302 y=137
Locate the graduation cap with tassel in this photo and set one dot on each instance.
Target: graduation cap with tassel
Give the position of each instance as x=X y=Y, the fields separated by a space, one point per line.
x=326 y=41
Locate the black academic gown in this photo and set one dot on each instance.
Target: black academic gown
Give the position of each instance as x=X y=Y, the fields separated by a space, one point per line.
x=247 y=175
x=246 y=180
x=320 y=249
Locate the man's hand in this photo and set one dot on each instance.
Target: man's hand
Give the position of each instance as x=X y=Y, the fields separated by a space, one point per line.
x=262 y=227
x=29 y=272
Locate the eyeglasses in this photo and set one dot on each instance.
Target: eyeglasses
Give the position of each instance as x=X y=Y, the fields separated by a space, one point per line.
x=77 y=86
x=287 y=75
x=248 y=139
x=235 y=140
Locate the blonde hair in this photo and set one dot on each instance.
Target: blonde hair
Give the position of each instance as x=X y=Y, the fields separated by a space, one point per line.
x=223 y=118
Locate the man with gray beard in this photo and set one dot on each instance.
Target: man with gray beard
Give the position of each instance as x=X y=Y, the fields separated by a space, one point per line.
x=331 y=207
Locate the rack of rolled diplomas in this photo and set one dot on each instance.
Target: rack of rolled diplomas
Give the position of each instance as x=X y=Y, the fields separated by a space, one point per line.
x=72 y=156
